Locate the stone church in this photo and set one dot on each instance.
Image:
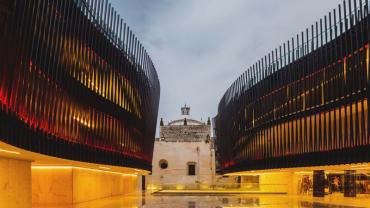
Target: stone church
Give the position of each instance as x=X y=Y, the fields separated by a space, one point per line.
x=184 y=156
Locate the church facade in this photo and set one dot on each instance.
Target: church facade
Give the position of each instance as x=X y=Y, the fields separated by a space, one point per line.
x=183 y=156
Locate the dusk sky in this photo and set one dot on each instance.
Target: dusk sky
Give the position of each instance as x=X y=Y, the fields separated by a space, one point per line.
x=199 y=47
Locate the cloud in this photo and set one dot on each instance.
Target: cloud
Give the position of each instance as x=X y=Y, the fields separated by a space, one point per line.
x=200 y=47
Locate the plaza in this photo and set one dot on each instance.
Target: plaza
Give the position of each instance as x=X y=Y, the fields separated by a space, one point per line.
x=89 y=117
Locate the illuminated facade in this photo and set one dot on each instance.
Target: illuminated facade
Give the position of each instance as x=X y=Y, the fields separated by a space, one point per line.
x=303 y=104
x=183 y=155
x=75 y=83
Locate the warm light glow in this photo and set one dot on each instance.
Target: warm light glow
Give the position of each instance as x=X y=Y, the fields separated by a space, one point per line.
x=152 y=187
x=204 y=186
x=358 y=166
x=10 y=152
x=180 y=187
x=345 y=69
x=105 y=168
x=253 y=173
x=80 y=168
x=253 y=118
x=303 y=172
x=234 y=207
x=82 y=122
x=322 y=92
x=51 y=167
x=306 y=170
x=364 y=168
x=367 y=63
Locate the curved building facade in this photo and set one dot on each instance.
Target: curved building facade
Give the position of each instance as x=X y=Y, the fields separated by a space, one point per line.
x=303 y=104
x=75 y=83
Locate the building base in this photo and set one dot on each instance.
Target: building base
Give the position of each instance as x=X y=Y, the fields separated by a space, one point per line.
x=15 y=183
x=71 y=185
x=28 y=179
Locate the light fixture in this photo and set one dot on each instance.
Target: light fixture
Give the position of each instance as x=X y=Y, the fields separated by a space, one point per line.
x=358 y=166
x=363 y=168
x=81 y=168
x=51 y=167
x=10 y=152
x=304 y=172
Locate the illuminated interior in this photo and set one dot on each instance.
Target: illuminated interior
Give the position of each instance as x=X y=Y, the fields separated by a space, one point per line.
x=67 y=93
x=300 y=106
x=359 y=167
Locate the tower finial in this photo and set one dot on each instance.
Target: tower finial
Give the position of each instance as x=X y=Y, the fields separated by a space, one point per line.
x=185 y=111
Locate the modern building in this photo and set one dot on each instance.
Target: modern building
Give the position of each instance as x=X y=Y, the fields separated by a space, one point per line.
x=78 y=103
x=301 y=112
x=183 y=155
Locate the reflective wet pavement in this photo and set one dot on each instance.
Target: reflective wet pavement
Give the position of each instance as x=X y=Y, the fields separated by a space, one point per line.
x=226 y=201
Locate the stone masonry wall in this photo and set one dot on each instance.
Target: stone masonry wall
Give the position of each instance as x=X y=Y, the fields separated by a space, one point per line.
x=185 y=133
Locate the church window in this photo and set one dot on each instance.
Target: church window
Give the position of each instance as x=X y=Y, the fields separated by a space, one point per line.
x=191 y=168
x=163 y=164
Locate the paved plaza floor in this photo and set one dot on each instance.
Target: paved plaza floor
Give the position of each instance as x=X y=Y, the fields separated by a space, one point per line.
x=224 y=201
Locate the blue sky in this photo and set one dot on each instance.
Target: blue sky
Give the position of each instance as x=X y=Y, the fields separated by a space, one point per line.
x=199 y=47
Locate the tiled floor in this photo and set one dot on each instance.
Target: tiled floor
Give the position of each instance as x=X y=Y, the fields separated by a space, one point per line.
x=227 y=201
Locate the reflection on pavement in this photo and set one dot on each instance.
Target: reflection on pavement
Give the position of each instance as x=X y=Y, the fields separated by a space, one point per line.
x=226 y=201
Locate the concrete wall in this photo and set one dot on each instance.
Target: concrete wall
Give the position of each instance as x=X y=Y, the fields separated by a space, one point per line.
x=50 y=186
x=75 y=185
x=178 y=154
x=15 y=183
